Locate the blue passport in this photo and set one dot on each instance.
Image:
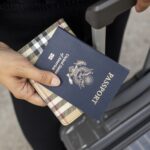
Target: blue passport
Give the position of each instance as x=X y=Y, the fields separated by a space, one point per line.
x=89 y=79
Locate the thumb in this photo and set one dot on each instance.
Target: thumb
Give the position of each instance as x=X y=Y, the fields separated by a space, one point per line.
x=41 y=76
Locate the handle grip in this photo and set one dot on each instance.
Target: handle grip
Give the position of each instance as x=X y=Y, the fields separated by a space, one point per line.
x=104 y=12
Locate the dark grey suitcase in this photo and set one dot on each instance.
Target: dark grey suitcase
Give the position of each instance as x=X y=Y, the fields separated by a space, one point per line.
x=126 y=123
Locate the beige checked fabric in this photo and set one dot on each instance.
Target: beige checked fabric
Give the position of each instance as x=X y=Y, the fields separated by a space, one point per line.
x=63 y=110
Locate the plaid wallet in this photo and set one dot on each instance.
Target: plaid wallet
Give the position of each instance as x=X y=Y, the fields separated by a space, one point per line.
x=63 y=110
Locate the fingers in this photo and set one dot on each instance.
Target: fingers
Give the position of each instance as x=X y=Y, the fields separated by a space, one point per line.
x=142 y=5
x=44 y=77
x=35 y=99
x=23 y=90
x=15 y=70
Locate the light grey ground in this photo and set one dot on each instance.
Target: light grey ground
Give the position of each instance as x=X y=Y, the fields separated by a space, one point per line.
x=134 y=50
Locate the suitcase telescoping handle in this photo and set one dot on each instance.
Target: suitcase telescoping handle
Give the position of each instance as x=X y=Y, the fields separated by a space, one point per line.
x=104 y=12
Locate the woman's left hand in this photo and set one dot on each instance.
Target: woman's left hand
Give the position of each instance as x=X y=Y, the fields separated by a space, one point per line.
x=142 y=5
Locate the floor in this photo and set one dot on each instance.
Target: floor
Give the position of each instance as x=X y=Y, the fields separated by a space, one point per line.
x=134 y=50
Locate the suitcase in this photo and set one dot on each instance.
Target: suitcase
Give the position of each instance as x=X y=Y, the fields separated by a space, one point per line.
x=127 y=118
x=126 y=122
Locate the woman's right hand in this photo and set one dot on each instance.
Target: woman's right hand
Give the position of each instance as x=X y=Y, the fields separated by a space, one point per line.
x=15 y=70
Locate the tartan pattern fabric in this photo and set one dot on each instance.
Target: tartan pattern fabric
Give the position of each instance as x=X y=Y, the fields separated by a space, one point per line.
x=63 y=110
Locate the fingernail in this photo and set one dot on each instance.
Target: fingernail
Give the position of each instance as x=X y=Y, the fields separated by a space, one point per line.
x=55 y=81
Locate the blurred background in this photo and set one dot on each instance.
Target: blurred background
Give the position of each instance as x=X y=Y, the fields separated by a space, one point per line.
x=134 y=50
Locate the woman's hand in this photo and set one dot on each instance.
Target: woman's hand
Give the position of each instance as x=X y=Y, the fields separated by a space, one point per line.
x=15 y=70
x=142 y=5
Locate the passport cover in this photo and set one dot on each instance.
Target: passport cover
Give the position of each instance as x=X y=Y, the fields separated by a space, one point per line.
x=89 y=79
x=32 y=51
